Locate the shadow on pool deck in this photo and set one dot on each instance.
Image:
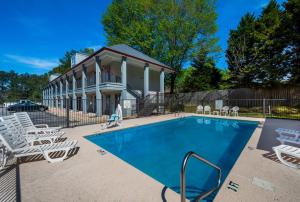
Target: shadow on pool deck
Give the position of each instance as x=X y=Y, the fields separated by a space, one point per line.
x=268 y=136
x=10 y=182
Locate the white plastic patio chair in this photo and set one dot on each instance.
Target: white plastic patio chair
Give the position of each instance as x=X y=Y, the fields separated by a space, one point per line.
x=34 y=135
x=235 y=111
x=28 y=125
x=115 y=119
x=225 y=110
x=207 y=109
x=199 y=109
x=285 y=149
x=19 y=147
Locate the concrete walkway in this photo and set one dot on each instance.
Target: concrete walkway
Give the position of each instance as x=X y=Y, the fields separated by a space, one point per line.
x=90 y=176
x=258 y=174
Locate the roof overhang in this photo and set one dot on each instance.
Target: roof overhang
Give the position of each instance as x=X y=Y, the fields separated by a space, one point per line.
x=105 y=51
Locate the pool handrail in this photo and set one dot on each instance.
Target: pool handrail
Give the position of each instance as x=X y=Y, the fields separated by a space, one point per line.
x=182 y=176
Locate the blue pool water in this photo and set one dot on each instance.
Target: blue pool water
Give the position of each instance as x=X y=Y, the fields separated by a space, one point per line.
x=158 y=149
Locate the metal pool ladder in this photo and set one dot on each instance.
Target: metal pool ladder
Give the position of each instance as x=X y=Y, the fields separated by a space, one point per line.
x=182 y=176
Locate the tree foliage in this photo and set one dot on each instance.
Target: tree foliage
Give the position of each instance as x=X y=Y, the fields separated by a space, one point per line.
x=14 y=86
x=170 y=31
x=65 y=61
x=264 y=50
x=202 y=75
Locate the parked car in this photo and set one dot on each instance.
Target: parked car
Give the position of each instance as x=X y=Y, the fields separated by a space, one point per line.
x=27 y=105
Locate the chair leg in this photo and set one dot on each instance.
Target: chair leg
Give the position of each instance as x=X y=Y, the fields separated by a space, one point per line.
x=54 y=160
x=278 y=154
x=3 y=158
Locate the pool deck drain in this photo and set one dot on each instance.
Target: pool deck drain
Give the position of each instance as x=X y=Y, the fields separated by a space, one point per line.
x=88 y=177
x=263 y=184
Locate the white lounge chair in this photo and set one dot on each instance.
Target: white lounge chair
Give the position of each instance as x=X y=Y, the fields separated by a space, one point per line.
x=199 y=109
x=285 y=149
x=19 y=147
x=225 y=110
x=32 y=136
x=28 y=125
x=207 y=109
x=3 y=157
x=235 y=111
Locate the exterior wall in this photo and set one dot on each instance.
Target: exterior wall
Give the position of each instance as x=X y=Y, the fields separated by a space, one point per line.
x=109 y=102
x=135 y=78
x=153 y=80
x=110 y=71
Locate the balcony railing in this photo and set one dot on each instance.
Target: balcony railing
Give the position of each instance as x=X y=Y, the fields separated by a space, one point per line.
x=111 y=78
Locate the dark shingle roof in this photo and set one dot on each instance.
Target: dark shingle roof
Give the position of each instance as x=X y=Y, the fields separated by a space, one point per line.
x=133 y=52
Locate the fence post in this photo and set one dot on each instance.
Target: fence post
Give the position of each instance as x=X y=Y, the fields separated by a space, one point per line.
x=264 y=106
x=157 y=102
x=67 y=112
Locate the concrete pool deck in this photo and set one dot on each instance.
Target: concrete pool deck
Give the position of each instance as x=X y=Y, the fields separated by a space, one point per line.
x=90 y=176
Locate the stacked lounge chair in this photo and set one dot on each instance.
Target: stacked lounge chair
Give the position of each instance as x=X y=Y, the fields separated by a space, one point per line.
x=33 y=136
x=19 y=140
x=28 y=125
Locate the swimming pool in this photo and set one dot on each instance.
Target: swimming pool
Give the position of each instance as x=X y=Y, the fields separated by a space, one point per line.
x=158 y=149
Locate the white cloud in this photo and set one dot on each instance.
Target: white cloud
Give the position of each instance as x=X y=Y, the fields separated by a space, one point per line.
x=38 y=63
x=262 y=5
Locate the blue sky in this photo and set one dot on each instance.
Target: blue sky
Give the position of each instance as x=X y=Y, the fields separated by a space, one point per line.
x=35 y=33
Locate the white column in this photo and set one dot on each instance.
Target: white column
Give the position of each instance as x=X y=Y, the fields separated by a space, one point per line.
x=124 y=77
x=162 y=81
x=83 y=98
x=47 y=96
x=67 y=87
x=74 y=97
x=51 y=96
x=56 y=95
x=146 y=80
x=124 y=83
x=98 y=80
x=61 y=96
x=161 y=89
x=43 y=94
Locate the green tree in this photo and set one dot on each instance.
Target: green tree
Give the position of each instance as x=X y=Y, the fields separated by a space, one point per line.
x=203 y=75
x=241 y=53
x=264 y=51
x=269 y=58
x=290 y=37
x=14 y=86
x=170 y=31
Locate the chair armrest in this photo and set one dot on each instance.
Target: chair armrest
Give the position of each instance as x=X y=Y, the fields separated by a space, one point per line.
x=41 y=125
x=34 y=132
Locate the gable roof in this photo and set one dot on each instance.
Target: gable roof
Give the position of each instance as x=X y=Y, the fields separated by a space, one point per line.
x=133 y=52
x=122 y=49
